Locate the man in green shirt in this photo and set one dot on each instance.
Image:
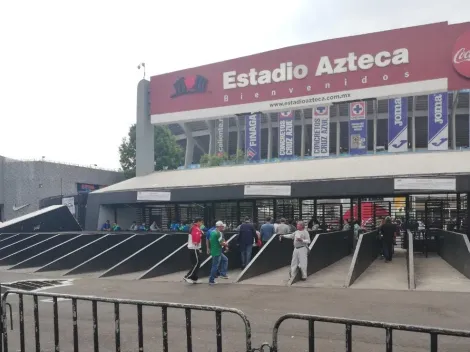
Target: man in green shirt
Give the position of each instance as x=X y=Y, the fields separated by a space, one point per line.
x=217 y=242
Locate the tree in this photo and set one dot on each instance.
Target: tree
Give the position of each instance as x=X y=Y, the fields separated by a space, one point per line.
x=208 y=160
x=168 y=154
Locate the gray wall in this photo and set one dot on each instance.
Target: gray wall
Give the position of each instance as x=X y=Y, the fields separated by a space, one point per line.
x=125 y=217
x=27 y=182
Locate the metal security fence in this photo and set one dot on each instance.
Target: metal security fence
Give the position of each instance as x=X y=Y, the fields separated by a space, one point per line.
x=139 y=305
x=78 y=340
x=389 y=328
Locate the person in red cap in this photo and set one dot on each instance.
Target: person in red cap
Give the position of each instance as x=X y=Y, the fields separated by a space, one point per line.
x=301 y=239
x=194 y=247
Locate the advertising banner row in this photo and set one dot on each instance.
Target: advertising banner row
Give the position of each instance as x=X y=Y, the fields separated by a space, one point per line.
x=438 y=129
x=348 y=69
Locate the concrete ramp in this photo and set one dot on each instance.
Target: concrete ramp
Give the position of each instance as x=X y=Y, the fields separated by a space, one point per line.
x=84 y=253
x=34 y=249
x=333 y=276
x=114 y=255
x=326 y=249
x=24 y=243
x=382 y=275
x=173 y=260
x=55 y=252
x=14 y=239
x=435 y=274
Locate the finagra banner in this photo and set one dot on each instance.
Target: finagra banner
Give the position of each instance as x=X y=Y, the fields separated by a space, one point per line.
x=357 y=128
x=286 y=135
x=438 y=122
x=398 y=125
x=253 y=137
x=321 y=131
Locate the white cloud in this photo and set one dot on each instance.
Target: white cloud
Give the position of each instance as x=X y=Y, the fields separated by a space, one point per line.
x=68 y=70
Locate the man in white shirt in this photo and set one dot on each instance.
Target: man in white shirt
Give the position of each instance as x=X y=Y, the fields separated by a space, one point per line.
x=301 y=239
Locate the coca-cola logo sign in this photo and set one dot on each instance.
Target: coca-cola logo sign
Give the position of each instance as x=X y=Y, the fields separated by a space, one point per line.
x=461 y=55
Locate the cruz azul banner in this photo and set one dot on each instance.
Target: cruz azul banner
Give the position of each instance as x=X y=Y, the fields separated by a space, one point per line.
x=221 y=136
x=253 y=137
x=357 y=128
x=438 y=122
x=398 y=125
x=321 y=131
x=286 y=135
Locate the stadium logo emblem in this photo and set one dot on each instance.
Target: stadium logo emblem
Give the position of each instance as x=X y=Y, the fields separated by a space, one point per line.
x=189 y=85
x=286 y=114
x=321 y=111
x=461 y=55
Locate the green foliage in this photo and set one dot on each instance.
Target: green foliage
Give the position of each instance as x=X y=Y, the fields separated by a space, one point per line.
x=218 y=159
x=168 y=154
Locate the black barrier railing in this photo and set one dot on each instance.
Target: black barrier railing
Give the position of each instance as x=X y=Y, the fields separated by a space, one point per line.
x=389 y=328
x=349 y=323
x=139 y=304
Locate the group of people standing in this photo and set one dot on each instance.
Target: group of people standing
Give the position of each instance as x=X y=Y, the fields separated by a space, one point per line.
x=248 y=236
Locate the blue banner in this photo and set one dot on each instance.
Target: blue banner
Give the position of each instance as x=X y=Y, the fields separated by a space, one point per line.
x=286 y=135
x=253 y=137
x=438 y=122
x=398 y=125
x=357 y=128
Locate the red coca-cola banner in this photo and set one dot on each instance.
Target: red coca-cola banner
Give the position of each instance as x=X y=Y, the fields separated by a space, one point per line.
x=409 y=61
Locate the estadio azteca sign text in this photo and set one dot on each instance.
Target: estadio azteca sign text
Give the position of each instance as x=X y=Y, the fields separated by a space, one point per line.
x=326 y=66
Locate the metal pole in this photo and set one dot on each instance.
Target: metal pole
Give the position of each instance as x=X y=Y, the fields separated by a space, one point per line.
x=413 y=125
x=302 y=136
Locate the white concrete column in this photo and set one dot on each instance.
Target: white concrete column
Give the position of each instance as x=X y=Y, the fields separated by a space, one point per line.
x=211 y=128
x=302 y=135
x=188 y=158
x=374 y=116
x=413 y=125
x=270 y=137
x=338 y=136
x=453 y=131
x=239 y=133
x=145 y=132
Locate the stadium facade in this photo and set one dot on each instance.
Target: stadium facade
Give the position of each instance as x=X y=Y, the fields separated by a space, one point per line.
x=322 y=106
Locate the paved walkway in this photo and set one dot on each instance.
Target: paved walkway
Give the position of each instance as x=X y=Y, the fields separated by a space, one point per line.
x=262 y=304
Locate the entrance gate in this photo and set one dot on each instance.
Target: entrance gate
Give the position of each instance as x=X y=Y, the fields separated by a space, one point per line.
x=188 y=309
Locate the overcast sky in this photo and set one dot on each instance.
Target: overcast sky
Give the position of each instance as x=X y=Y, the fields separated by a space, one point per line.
x=68 y=69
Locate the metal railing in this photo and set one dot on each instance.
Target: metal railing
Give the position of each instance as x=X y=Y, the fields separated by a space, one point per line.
x=389 y=328
x=139 y=304
x=349 y=323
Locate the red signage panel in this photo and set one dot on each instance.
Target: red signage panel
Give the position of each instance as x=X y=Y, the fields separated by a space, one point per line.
x=407 y=61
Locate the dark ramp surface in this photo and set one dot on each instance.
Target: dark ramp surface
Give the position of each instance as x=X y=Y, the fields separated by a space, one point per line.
x=24 y=243
x=56 y=252
x=114 y=255
x=325 y=250
x=84 y=253
x=149 y=255
x=367 y=251
x=175 y=257
x=16 y=238
x=37 y=248
x=4 y=236
x=275 y=254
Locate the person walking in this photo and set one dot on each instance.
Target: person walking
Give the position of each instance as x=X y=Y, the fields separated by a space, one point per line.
x=389 y=231
x=266 y=230
x=246 y=238
x=301 y=239
x=217 y=242
x=194 y=248
x=283 y=228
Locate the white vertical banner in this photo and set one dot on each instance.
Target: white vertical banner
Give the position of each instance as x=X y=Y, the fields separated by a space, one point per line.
x=70 y=203
x=321 y=131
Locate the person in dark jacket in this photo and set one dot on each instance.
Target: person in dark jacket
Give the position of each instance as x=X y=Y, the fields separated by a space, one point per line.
x=388 y=230
x=246 y=237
